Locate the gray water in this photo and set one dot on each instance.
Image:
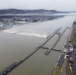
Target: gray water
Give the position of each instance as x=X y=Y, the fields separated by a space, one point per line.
x=18 y=42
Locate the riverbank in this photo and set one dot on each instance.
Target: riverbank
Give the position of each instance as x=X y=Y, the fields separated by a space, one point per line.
x=8 y=21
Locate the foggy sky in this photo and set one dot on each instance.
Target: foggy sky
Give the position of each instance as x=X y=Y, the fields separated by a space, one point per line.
x=39 y=4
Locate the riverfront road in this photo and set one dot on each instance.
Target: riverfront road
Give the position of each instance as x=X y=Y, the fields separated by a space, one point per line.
x=74 y=61
x=74 y=51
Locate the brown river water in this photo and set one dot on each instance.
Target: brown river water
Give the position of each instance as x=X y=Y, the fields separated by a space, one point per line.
x=18 y=42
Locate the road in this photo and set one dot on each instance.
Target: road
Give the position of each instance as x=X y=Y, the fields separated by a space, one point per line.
x=74 y=61
x=74 y=52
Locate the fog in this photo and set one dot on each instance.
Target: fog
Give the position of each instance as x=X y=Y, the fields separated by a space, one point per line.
x=65 y=5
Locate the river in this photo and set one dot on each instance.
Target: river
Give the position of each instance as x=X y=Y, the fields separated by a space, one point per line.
x=18 y=42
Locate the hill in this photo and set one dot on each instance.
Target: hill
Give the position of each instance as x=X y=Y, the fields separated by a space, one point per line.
x=18 y=11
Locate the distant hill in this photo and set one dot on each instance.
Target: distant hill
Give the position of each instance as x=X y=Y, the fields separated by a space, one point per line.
x=72 y=11
x=18 y=11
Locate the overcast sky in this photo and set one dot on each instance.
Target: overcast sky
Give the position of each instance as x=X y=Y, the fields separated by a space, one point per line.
x=39 y=4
